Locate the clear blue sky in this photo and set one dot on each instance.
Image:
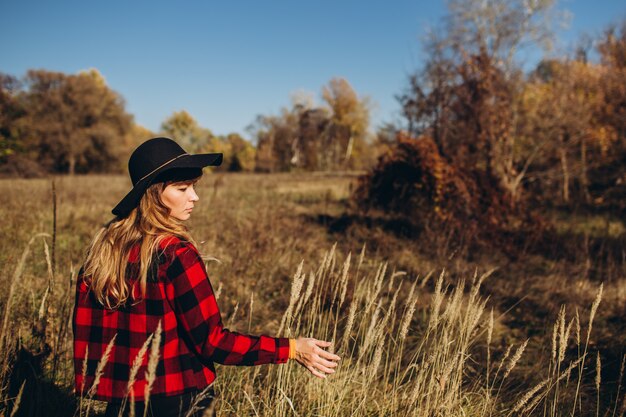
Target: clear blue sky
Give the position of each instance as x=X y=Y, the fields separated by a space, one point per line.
x=226 y=62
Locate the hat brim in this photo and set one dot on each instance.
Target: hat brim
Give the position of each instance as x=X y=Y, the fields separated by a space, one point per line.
x=131 y=200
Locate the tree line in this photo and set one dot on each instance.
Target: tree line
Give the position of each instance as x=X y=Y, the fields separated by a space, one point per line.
x=558 y=130
x=51 y=122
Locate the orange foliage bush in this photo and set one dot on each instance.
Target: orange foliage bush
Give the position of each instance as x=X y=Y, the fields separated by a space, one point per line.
x=416 y=182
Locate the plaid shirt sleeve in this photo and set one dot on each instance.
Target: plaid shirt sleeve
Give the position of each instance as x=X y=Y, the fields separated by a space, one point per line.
x=196 y=308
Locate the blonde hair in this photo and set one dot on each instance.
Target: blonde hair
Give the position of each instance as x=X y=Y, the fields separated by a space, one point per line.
x=105 y=269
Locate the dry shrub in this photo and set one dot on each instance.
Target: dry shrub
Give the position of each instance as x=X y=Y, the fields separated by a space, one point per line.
x=17 y=165
x=608 y=185
x=416 y=182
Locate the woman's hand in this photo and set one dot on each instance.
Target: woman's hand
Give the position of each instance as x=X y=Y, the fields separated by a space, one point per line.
x=309 y=353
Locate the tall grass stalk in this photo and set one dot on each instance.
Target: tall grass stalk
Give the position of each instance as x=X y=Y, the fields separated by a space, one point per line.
x=153 y=361
x=592 y=314
x=14 y=280
x=399 y=357
x=18 y=399
x=432 y=378
x=99 y=371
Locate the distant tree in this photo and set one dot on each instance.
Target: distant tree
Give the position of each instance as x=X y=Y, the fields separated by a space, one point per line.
x=576 y=110
x=11 y=111
x=183 y=128
x=608 y=182
x=558 y=112
x=612 y=49
x=312 y=137
x=383 y=142
x=348 y=123
x=241 y=153
x=312 y=150
x=75 y=122
x=276 y=139
x=265 y=160
x=14 y=157
x=131 y=140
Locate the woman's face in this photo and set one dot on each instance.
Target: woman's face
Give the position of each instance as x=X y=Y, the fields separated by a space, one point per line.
x=180 y=197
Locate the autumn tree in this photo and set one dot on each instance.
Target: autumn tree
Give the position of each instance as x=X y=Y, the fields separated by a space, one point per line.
x=11 y=111
x=182 y=127
x=311 y=148
x=575 y=109
x=558 y=108
x=465 y=97
x=239 y=154
x=135 y=137
x=14 y=125
x=315 y=137
x=348 y=123
x=417 y=184
x=75 y=122
x=608 y=181
x=276 y=141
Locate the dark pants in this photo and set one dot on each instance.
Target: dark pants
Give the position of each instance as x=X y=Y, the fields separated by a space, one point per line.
x=173 y=406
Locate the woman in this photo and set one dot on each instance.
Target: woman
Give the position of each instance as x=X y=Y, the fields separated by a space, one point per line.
x=144 y=280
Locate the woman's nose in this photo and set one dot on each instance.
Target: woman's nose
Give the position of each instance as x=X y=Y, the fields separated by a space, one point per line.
x=194 y=196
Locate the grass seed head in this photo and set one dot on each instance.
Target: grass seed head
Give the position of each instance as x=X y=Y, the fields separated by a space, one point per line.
x=598 y=371
x=490 y=328
x=594 y=309
x=153 y=361
x=522 y=402
x=516 y=357
x=101 y=364
x=18 y=399
x=137 y=362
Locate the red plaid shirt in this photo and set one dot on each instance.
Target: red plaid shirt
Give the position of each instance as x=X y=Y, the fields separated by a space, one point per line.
x=179 y=295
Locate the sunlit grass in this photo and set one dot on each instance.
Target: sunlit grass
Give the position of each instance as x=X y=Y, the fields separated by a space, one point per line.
x=418 y=336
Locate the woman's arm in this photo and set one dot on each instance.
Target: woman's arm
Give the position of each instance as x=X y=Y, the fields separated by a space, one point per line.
x=195 y=306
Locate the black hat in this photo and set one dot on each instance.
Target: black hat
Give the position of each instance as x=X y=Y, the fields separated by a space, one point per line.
x=151 y=160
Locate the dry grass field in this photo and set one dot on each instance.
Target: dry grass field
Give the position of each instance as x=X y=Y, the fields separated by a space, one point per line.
x=424 y=327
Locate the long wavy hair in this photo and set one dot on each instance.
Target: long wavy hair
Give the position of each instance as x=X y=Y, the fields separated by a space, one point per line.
x=105 y=268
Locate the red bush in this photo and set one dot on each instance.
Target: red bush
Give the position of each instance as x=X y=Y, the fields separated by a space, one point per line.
x=416 y=182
